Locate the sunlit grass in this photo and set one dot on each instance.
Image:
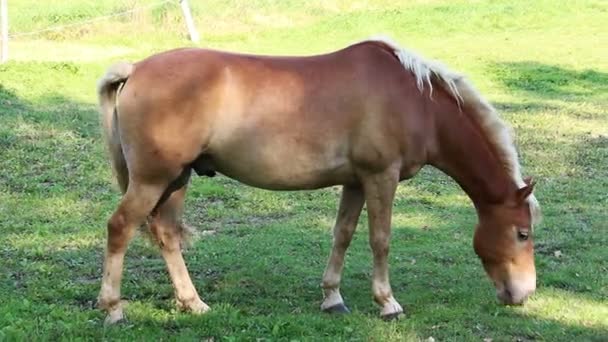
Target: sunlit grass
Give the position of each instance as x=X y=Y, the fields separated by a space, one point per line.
x=64 y=51
x=569 y=308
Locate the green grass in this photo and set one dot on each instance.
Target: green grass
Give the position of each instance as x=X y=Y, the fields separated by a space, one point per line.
x=544 y=64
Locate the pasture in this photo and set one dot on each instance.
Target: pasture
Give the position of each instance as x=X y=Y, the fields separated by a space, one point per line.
x=258 y=256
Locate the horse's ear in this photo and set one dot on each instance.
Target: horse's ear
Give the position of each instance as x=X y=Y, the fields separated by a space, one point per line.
x=526 y=191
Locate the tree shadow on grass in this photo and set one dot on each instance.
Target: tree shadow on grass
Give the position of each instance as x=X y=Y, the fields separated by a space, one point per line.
x=262 y=283
x=252 y=286
x=55 y=178
x=267 y=275
x=578 y=228
x=52 y=111
x=550 y=89
x=550 y=81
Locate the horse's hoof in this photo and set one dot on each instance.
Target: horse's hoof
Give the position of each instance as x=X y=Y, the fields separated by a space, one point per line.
x=391 y=310
x=197 y=307
x=392 y=316
x=339 y=308
x=114 y=316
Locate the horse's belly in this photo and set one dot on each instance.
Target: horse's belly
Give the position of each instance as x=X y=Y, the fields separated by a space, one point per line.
x=283 y=168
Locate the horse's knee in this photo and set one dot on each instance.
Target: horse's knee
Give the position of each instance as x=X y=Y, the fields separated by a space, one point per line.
x=342 y=243
x=380 y=246
x=117 y=234
x=116 y=224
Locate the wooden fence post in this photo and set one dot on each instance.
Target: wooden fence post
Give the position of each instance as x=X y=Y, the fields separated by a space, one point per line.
x=4 y=30
x=189 y=22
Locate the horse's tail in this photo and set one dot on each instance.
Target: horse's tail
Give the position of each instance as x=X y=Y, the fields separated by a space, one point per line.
x=107 y=90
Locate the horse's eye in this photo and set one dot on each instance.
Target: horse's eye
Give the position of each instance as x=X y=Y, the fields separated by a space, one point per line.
x=522 y=235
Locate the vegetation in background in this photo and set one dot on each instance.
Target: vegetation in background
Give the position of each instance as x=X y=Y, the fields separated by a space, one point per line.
x=260 y=255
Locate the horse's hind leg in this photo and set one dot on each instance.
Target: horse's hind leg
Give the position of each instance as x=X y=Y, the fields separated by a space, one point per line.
x=137 y=203
x=351 y=204
x=168 y=231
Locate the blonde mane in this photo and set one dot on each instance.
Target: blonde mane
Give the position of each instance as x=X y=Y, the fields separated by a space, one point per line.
x=498 y=132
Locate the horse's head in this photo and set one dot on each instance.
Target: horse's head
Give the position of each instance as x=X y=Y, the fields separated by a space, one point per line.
x=503 y=242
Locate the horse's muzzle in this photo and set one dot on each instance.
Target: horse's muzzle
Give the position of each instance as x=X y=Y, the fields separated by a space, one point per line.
x=516 y=293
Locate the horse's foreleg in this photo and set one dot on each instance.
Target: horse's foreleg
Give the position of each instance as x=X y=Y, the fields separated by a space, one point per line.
x=379 y=194
x=167 y=230
x=135 y=206
x=351 y=204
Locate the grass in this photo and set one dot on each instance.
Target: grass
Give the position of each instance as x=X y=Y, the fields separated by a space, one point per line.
x=259 y=263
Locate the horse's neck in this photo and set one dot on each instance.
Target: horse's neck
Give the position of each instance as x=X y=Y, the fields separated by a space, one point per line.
x=465 y=154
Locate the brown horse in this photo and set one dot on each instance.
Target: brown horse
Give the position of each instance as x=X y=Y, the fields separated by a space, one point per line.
x=364 y=117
